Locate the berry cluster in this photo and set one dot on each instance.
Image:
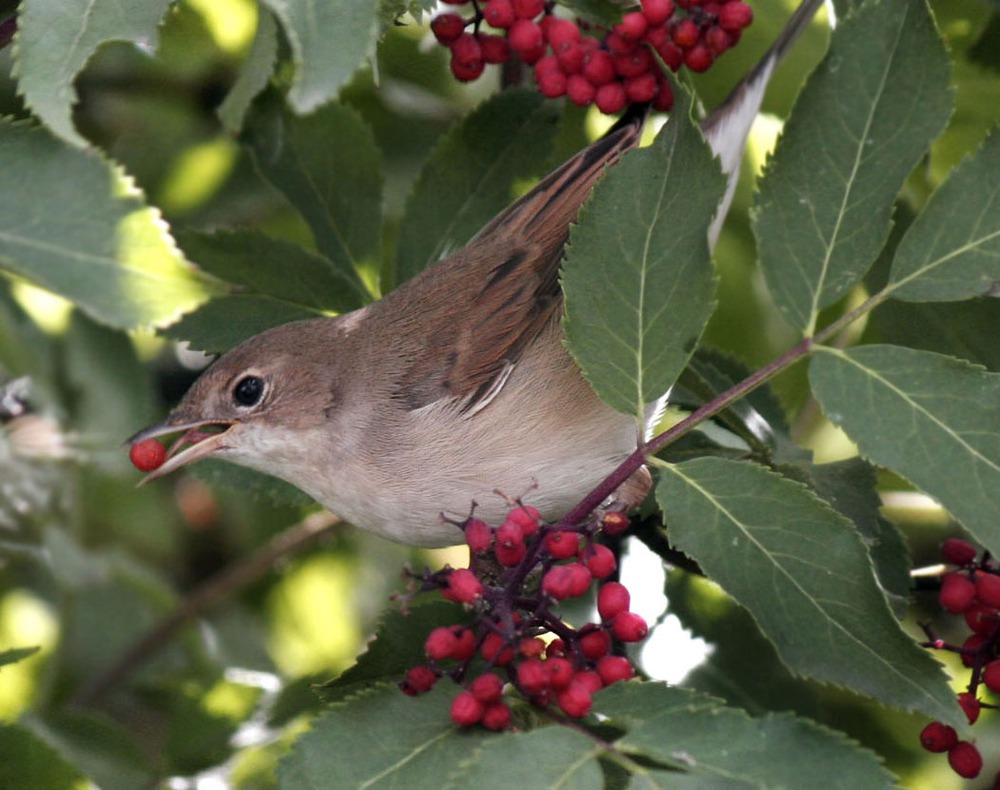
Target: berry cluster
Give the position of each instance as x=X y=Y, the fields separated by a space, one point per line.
x=587 y=63
x=519 y=572
x=971 y=589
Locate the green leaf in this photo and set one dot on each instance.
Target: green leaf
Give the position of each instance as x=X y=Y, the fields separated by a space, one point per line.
x=55 y=40
x=804 y=574
x=226 y=322
x=382 y=738
x=329 y=42
x=253 y=76
x=866 y=116
x=78 y=227
x=952 y=249
x=638 y=275
x=471 y=175
x=16 y=654
x=27 y=761
x=932 y=419
x=692 y=733
x=329 y=169
x=547 y=757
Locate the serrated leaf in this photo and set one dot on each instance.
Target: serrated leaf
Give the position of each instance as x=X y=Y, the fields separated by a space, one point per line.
x=79 y=228
x=382 y=738
x=692 y=733
x=552 y=757
x=16 y=654
x=866 y=116
x=229 y=320
x=638 y=275
x=329 y=42
x=952 y=249
x=272 y=268
x=55 y=40
x=253 y=76
x=804 y=574
x=27 y=761
x=932 y=419
x=328 y=167
x=471 y=174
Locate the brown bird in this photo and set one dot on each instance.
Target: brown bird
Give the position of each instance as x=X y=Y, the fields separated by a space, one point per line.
x=455 y=385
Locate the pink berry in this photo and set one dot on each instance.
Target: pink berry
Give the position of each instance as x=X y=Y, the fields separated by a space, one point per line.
x=580 y=91
x=735 y=15
x=525 y=38
x=487 y=688
x=958 y=552
x=594 y=642
x=528 y=9
x=938 y=737
x=574 y=700
x=570 y=56
x=418 y=680
x=589 y=679
x=970 y=647
x=495 y=651
x=499 y=14
x=610 y=98
x=463 y=586
x=619 y=45
x=527 y=518
x=629 y=627
x=465 y=644
x=657 y=11
x=447 y=27
x=600 y=560
x=532 y=676
x=466 y=710
x=965 y=760
x=561 y=31
x=633 y=26
x=496 y=716
x=478 y=535
x=562 y=544
x=558 y=582
x=440 y=644
x=147 y=455
x=957 y=593
x=613 y=669
x=612 y=599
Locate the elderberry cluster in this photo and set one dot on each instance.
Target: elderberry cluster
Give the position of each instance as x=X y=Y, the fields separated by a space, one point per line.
x=971 y=589
x=587 y=63
x=518 y=645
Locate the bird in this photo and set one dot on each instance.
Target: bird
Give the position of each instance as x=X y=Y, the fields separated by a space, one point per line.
x=455 y=389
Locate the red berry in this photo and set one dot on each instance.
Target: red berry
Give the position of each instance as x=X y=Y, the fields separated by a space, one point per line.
x=991 y=675
x=562 y=544
x=496 y=717
x=613 y=523
x=447 y=27
x=967 y=702
x=478 y=535
x=510 y=548
x=509 y=533
x=665 y=98
x=938 y=737
x=499 y=14
x=599 y=69
x=589 y=679
x=532 y=676
x=527 y=518
x=699 y=58
x=574 y=700
x=633 y=26
x=466 y=72
x=463 y=586
x=981 y=619
x=958 y=552
x=634 y=63
x=441 y=643
x=495 y=48
x=581 y=92
x=525 y=38
x=531 y=647
x=673 y=56
x=560 y=31
x=988 y=589
x=418 y=680
x=610 y=98
x=643 y=88
x=570 y=56
x=657 y=11
x=612 y=599
x=560 y=672
x=717 y=40
x=495 y=651
x=465 y=644
x=466 y=710
x=686 y=33
x=557 y=582
x=600 y=560
x=965 y=760
x=556 y=649
x=487 y=688
x=612 y=669
x=957 y=593
x=970 y=647
x=595 y=642
x=735 y=15
x=147 y=455
x=619 y=45
x=629 y=627
x=528 y=9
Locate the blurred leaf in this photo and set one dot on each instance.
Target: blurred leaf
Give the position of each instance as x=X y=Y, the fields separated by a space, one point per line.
x=77 y=227
x=932 y=419
x=866 y=116
x=16 y=654
x=470 y=176
x=804 y=574
x=55 y=40
x=638 y=276
x=329 y=169
x=254 y=74
x=692 y=733
x=952 y=249
x=27 y=761
x=546 y=757
x=329 y=42
x=960 y=329
x=250 y=481
x=228 y=321
x=986 y=50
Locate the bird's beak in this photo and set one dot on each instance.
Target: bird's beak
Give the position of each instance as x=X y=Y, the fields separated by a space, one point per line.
x=198 y=439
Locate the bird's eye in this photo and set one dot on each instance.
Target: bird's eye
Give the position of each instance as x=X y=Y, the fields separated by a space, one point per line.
x=248 y=391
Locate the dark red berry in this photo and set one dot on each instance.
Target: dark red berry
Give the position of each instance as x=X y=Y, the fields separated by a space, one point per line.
x=673 y=56
x=965 y=760
x=717 y=40
x=981 y=619
x=957 y=593
x=496 y=717
x=147 y=455
x=991 y=676
x=465 y=644
x=938 y=737
x=570 y=56
x=735 y=15
x=610 y=98
x=613 y=669
x=642 y=88
x=560 y=672
x=629 y=627
x=466 y=710
x=528 y=9
x=495 y=651
x=478 y=535
x=968 y=702
x=685 y=33
x=574 y=700
x=499 y=14
x=958 y=552
x=594 y=642
x=613 y=523
x=699 y=58
x=418 y=680
x=665 y=98
x=466 y=71
x=612 y=599
x=988 y=589
x=447 y=27
x=531 y=647
x=634 y=63
x=495 y=48
x=581 y=92
x=532 y=676
x=657 y=11
x=561 y=31
x=487 y=688
x=970 y=647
